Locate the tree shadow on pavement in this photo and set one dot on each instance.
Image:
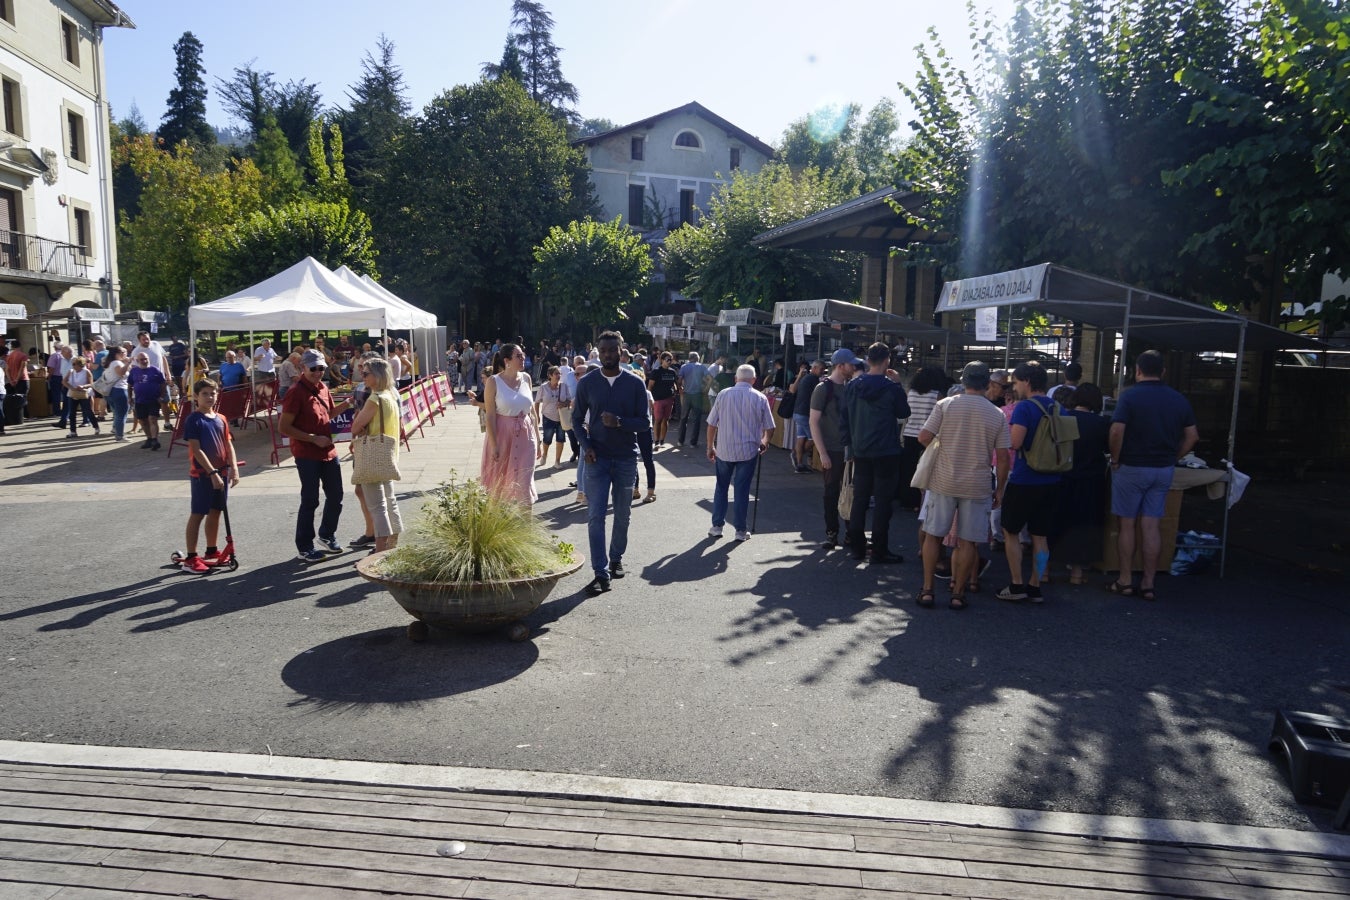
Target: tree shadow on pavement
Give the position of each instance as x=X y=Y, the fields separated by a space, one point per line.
x=178 y=598
x=1101 y=704
x=384 y=667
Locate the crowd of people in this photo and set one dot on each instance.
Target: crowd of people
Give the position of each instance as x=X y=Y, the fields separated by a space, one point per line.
x=861 y=416
x=866 y=426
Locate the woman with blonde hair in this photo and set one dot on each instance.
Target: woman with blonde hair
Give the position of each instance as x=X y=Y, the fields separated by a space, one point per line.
x=379 y=415
x=512 y=441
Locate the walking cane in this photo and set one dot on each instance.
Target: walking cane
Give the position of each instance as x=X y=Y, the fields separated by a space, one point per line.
x=759 y=470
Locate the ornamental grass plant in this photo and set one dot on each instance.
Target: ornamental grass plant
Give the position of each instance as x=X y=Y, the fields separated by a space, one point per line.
x=465 y=534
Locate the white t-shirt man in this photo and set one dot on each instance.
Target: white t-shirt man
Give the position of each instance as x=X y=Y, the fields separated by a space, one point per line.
x=158 y=358
x=265 y=359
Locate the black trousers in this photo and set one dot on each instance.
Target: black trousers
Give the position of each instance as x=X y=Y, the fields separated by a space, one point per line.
x=694 y=412
x=834 y=480
x=873 y=476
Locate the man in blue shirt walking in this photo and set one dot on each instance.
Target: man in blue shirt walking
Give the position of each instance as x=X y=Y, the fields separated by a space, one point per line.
x=611 y=408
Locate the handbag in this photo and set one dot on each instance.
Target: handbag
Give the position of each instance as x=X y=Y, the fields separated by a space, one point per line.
x=565 y=417
x=924 y=470
x=374 y=458
x=846 y=490
x=78 y=393
x=104 y=386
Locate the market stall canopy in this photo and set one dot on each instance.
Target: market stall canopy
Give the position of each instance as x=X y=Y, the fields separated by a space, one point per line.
x=1157 y=318
x=869 y=224
x=841 y=312
x=308 y=295
x=401 y=315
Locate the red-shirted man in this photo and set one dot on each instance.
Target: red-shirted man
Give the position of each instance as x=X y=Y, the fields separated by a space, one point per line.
x=306 y=414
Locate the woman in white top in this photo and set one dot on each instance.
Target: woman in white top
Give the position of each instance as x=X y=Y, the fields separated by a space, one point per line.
x=115 y=370
x=512 y=443
x=79 y=381
x=928 y=386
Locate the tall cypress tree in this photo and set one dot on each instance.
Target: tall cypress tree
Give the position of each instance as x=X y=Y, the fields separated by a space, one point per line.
x=538 y=60
x=185 y=118
x=379 y=109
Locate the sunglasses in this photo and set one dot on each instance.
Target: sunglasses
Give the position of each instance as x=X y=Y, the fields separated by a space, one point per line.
x=317 y=368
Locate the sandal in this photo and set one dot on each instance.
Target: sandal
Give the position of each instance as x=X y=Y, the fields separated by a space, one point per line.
x=1146 y=593
x=1077 y=579
x=958 y=601
x=927 y=598
x=1124 y=590
x=651 y=497
x=973 y=587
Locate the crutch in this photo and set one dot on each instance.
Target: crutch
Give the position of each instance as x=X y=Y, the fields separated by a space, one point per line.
x=759 y=470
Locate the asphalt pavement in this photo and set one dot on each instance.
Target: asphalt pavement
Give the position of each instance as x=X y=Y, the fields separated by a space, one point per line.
x=763 y=664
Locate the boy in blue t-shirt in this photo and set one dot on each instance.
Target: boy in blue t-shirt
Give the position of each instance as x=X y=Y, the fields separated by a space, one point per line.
x=211 y=450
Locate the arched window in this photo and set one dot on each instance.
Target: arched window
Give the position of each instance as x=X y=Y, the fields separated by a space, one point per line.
x=688 y=139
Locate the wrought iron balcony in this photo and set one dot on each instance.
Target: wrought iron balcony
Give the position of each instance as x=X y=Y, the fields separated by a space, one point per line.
x=41 y=258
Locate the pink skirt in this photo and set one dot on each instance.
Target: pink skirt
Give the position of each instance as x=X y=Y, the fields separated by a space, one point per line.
x=511 y=474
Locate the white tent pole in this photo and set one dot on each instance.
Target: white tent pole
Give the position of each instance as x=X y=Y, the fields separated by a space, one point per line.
x=1007 y=344
x=1124 y=345
x=1232 y=442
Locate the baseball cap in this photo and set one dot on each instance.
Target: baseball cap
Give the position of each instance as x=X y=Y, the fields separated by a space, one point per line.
x=845 y=355
x=313 y=359
x=975 y=375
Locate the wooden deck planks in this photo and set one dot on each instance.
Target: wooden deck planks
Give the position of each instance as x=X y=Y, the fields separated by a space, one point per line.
x=81 y=834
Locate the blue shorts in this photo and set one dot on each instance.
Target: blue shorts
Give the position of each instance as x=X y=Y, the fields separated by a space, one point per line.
x=1140 y=491
x=803 y=426
x=206 y=498
x=552 y=431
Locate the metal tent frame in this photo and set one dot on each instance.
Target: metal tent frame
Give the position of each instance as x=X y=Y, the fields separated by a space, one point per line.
x=1134 y=312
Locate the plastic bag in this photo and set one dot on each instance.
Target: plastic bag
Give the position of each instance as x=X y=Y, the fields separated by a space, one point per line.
x=1196 y=552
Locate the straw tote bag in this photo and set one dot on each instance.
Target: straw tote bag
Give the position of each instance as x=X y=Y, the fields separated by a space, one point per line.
x=374 y=457
x=846 y=490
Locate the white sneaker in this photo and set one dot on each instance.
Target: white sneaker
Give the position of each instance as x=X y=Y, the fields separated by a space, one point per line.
x=742 y=535
x=715 y=531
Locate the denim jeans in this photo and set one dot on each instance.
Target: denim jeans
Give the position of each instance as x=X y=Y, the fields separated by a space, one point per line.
x=737 y=475
x=313 y=475
x=117 y=402
x=609 y=480
x=56 y=396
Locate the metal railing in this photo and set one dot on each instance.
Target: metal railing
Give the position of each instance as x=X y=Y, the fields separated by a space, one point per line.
x=30 y=253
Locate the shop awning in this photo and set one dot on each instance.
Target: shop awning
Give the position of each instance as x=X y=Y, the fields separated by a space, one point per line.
x=1135 y=312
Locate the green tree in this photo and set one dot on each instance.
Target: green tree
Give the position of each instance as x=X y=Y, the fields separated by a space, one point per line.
x=589 y=127
x=856 y=155
x=247 y=97
x=183 y=225
x=185 y=117
x=1059 y=153
x=1279 y=171
x=282 y=181
x=477 y=182
x=274 y=238
x=325 y=166
x=717 y=263
x=539 y=59
x=376 y=115
x=509 y=67
x=590 y=271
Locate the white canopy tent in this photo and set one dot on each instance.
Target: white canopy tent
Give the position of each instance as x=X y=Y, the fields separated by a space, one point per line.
x=403 y=316
x=308 y=295
x=1134 y=312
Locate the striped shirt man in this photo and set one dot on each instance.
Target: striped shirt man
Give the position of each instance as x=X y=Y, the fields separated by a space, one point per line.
x=738 y=421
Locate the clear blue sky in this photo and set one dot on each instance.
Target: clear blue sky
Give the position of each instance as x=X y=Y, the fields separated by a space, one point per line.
x=758 y=63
